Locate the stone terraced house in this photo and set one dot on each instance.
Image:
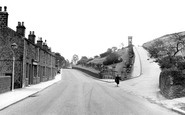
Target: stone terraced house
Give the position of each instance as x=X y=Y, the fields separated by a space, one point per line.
x=34 y=62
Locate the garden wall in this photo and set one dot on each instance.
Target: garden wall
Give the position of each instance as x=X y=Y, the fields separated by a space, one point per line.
x=89 y=72
x=172 y=84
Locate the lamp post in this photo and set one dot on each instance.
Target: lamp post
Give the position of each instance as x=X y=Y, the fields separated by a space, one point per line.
x=58 y=66
x=13 y=46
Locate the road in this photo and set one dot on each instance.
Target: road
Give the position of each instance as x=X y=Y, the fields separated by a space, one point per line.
x=79 y=94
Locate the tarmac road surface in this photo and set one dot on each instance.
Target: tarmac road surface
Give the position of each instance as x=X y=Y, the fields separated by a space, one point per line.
x=79 y=94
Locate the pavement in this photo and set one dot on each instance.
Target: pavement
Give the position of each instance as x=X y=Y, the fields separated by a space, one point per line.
x=9 y=98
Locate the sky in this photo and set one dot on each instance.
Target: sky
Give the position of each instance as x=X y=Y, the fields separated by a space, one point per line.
x=90 y=27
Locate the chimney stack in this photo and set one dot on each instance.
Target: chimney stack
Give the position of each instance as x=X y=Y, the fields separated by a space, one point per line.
x=3 y=17
x=21 y=29
x=39 y=42
x=31 y=37
x=45 y=46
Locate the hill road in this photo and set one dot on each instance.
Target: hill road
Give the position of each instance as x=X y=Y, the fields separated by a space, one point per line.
x=80 y=94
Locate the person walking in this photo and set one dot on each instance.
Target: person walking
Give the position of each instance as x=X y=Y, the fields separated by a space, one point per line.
x=117 y=78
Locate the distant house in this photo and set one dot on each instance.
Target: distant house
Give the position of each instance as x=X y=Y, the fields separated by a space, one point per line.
x=34 y=62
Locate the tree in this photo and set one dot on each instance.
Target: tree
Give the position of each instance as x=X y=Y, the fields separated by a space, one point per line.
x=75 y=59
x=60 y=60
x=156 y=49
x=109 y=51
x=111 y=59
x=67 y=63
x=83 y=60
x=96 y=56
x=114 y=49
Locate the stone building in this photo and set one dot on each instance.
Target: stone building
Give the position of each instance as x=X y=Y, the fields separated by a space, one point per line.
x=34 y=61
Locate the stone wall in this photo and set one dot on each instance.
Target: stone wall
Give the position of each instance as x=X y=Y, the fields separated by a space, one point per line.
x=5 y=84
x=172 y=83
x=94 y=74
x=7 y=38
x=129 y=62
x=107 y=74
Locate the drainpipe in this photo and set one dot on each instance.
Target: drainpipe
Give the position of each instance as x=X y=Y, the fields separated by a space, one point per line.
x=38 y=64
x=24 y=67
x=51 y=65
x=45 y=65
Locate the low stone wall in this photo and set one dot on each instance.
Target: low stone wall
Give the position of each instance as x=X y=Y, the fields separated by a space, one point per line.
x=107 y=76
x=5 y=84
x=172 y=84
x=128 y=66
x=94 y=74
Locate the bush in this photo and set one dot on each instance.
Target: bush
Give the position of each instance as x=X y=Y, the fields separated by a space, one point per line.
x=170 y=62
x=166 y=62
x=181 y=65
x=105 y=54
x=111 y=59
x=131 y=52
x=153 y=52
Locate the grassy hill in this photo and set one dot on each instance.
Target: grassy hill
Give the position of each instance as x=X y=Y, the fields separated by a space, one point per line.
x=167 y=39
x=122 y=53
x=100 y=60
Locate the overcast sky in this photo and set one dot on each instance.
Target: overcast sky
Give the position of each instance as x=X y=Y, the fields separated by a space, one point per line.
x=89 y=27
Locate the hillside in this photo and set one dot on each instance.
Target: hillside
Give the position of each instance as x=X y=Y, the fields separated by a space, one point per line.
x=167 y=39
x=99 y=60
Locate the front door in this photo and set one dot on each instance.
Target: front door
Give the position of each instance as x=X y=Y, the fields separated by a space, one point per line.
x=30 y=74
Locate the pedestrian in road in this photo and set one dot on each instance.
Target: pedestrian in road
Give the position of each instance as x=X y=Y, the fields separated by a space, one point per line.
x=117 y=78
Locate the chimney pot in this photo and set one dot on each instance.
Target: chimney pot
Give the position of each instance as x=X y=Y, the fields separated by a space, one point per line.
x=33 y=33
x=0 y=8
x=30 y=32
x=5 y=8
x=19 y=23
x=22 y=23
